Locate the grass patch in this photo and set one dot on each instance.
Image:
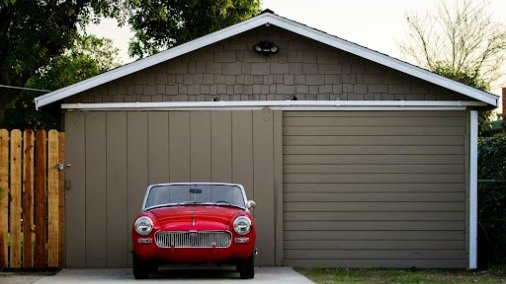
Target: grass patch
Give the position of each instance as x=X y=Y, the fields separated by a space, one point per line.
x=495 y=275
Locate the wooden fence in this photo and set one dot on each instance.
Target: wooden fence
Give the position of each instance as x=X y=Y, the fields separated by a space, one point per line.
x=31 y=199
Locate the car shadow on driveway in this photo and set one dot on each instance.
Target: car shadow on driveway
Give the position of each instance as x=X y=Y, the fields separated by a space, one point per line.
x=265 y=275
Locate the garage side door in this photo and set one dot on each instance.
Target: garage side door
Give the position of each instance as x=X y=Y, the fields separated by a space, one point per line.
x=374 y=189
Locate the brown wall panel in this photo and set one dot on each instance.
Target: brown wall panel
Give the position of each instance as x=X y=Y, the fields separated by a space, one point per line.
x=137 y=164
x=242 y=150
x=75 y=203
x=158 y=147
x=221 y=146
x=118 y=223
x=179 y=146
x=96 y=190
x=200 y=146
x=263 y=183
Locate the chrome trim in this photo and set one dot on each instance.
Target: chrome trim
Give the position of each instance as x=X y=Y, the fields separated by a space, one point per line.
x=143 y=208
x=201 y=239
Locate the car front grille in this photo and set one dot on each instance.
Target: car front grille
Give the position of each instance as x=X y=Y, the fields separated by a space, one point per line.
x=204 y=239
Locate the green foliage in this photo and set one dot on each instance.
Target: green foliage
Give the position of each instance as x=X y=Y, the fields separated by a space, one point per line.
x=492 y=157
x=492 y=196
x=159 y=25
x=470 y=78
x=466 y=76
x=88 y=57
x=34 y=32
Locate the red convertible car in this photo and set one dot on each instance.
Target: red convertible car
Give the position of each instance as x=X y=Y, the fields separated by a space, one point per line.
x=194 y=223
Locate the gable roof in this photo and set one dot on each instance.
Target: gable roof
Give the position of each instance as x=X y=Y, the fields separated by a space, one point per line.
x=267 y=18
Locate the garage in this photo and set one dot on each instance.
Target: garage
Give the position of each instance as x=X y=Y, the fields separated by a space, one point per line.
x=354 y=158
x=367 y=187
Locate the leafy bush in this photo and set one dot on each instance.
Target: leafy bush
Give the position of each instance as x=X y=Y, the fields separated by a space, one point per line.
x=492 y=195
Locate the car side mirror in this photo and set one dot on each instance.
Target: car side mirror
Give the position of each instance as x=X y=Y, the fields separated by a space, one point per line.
x=251 y=204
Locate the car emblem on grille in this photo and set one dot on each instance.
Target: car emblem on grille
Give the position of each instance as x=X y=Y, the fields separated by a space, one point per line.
x=193 y=235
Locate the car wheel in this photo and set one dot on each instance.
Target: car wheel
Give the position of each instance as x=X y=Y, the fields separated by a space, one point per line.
x=247 y=268
x=140 y=268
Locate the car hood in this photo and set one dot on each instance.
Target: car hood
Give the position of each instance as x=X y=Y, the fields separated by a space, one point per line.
x=195 y=214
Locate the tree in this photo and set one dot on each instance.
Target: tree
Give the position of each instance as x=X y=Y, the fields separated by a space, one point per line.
x=87 y=57
x=460 y=41
x=33 y=32
x=159 y=25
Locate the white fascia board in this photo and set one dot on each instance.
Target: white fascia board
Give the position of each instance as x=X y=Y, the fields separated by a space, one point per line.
x=291 y=105
x=252 y=23
x=385 y=60
x=473 y=190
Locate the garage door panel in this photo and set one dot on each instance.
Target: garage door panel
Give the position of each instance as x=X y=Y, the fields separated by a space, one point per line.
x=374 y=188
x=375 y=245
x=374 y=254
x=379 y=140
x=385 y=263
x=375 y=114
x=378 y=121
x=373 y=159
x=372 y=215
x=373 y=206
x=374 y=225
x=372 y=169
x=374 y=196
x=375 y=235
x=373 y=178
x=371 y=150
x=373 y=130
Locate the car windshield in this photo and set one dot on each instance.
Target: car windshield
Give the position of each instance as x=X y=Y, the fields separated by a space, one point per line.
x=188 y=194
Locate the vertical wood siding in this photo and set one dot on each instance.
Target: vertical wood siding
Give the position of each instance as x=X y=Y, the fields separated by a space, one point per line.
x=30 y=203
x=116 y=155
x=380 y=189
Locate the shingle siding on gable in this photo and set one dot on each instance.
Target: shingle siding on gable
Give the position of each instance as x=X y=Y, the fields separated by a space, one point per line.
x=230 y=70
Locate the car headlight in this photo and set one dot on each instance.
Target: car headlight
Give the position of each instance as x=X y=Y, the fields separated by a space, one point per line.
x=143 y=225
x=242 y=225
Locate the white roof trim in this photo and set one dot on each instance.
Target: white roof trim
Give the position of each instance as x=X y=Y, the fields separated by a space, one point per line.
x=260 y=20
x=286 y=105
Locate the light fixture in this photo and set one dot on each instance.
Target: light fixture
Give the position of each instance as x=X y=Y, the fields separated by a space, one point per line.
x=266 y=48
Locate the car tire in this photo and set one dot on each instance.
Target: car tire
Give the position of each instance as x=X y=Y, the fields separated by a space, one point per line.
x=247 y=268
x=140 y=268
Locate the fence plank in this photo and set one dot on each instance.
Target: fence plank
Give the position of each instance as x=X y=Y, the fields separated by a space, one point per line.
x=61 y=199
x=53 y=199
x=40 y=198
x=15 y=204
x=4 y=195
x=28 y=144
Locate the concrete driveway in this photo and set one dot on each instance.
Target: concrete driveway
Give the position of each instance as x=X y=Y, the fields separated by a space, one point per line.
x=179 y=275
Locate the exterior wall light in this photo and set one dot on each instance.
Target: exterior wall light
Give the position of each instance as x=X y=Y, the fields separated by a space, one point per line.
x=266 y=48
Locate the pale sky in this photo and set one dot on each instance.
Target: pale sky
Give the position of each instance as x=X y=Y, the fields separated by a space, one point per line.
x=376 y=24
